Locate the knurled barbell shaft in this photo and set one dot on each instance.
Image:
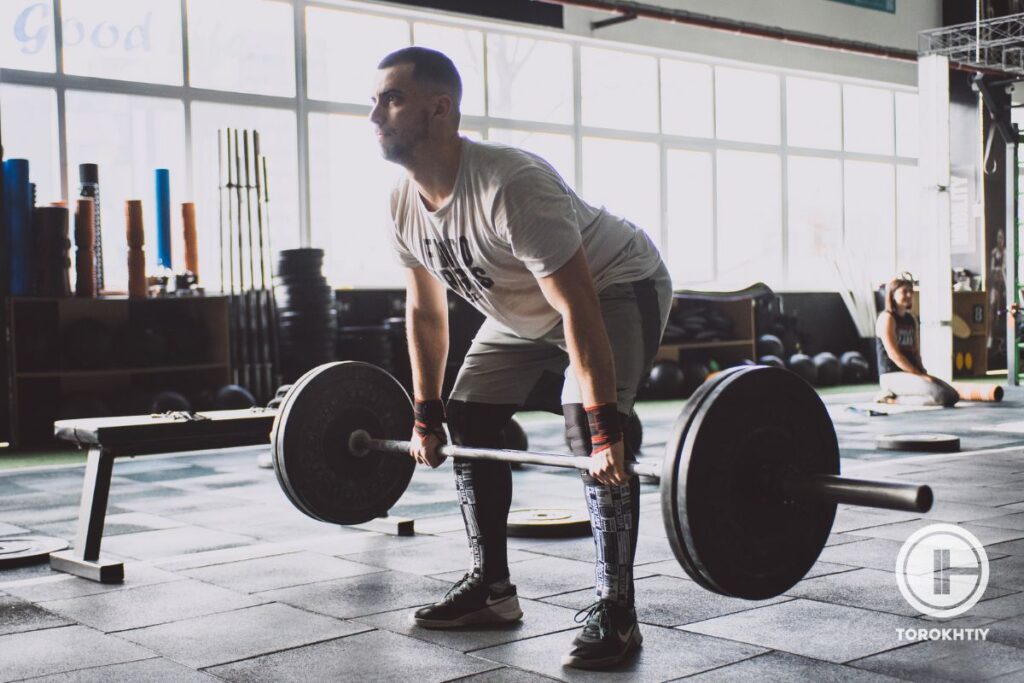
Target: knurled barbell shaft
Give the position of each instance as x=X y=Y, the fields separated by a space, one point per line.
x=864 y=492
x=822 y=487
x=360 y=442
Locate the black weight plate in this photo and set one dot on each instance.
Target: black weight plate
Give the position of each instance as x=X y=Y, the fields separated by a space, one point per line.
x=18 y=551
x=670 y=477
x=548 y=523
x=926 y=443
x=309 y=442
x=738 y=534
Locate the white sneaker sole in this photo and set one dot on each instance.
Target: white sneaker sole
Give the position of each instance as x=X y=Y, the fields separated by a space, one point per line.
x=502 y=612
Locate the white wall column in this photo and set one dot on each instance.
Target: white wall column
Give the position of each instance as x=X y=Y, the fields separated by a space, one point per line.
x=933 y=165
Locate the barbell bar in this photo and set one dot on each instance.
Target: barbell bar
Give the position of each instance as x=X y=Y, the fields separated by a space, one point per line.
x=821 y=487
x=749 y=482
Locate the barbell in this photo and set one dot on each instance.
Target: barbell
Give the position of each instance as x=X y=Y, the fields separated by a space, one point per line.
x=749 y=481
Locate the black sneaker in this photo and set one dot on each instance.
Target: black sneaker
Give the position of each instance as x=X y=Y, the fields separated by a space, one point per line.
x=609 y=635
x=470 y=601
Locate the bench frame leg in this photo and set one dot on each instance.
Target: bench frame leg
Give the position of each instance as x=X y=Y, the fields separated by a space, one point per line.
x=84 y=558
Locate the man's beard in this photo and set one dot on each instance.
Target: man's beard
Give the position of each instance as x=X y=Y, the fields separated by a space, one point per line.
x=400 y=150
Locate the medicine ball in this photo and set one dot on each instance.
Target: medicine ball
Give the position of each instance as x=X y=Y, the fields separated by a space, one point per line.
x=772 y=360
x=770 y=345
x=233 y=397
x=167 y=401
x=830 y=372
x=665 y=380
x=694 y=374
x=856 y=369
x=803 y=365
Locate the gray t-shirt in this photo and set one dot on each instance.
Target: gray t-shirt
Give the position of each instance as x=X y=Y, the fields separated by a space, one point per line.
x=510 y=220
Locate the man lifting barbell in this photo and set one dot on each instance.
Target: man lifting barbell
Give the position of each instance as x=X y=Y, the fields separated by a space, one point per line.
x=554 y=276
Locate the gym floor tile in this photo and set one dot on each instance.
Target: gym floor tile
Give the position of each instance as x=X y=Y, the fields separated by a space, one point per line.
x=148 y=545
x=17 y=615
x=1004 y=607
x=157 y=670
x=545 y=576
x=866 y=588
x=114 y=525
x=278 y=571
x=358 y=596
x=957 y=513
x=947 y=661
x=649 y=549
x=354 y=541
x=538 y=619
x=834 y=633
x=434 y=558
x=1007 y=572
x=163 y=500
x=1008 y=632
x=149 y=605
x=504 y=675
x=1012 y=521
x=187 y=471
x=782 y=667
x=874 y=553
x=1007 y=548
x=666 y=654
x=668 y=601
x=977 y=495
x=59 y=586
x=33 y=514
x=11 y=530
x=55 y=650
x=232 y=636
x=388 y=656
x=863 y=518
x=902 y=531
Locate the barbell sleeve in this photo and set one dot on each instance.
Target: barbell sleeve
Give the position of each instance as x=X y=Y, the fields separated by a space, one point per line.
x=360 y=443
x=864 y=492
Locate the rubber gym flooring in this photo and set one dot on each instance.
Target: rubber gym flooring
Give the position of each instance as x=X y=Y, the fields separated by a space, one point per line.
x=225 y=580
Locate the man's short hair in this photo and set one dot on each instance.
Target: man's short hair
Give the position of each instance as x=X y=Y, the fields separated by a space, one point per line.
x=430 y=67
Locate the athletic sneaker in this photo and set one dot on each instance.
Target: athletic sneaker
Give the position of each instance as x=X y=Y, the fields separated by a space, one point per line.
x=471 y=601
x=609 y=635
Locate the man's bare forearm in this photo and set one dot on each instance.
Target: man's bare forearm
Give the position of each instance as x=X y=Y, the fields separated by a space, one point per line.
x=428 y=351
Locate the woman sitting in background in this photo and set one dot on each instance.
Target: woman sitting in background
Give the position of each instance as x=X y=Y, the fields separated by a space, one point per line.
x=897 y=345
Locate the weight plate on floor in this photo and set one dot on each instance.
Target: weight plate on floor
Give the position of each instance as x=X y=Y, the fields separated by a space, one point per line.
x=728 y=521
x=548 y=523
x=309 y=442
x=928 y=443
x=18 y=551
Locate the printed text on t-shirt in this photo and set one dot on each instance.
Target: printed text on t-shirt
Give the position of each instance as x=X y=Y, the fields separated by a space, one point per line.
x=455 y=265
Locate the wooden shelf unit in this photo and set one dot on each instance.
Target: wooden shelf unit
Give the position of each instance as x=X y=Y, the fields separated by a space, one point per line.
x=970 y=354
x=725 y=352
x=45 y=386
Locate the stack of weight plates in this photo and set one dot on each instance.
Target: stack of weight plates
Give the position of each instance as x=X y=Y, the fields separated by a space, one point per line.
x=307 y=321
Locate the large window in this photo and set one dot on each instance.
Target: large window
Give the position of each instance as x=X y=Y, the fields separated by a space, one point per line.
x=738 y=172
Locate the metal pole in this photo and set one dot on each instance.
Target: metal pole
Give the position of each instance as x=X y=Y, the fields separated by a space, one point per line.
x=830 y=488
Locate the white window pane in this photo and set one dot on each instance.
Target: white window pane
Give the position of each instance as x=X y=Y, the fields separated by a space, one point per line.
x=906 y=124
x=749 y=203
x=350 y=184
x=747 y=105
x=815 y=212
x=624 y=177
x=242 y=45
x=130 y=40
x=30 y=132
x=620 y=90
x=870 y=236
x=687 y=99
x=129 y=137
x=277 y=143
x=26 y=35
x=813 y=114
x=556 y=149
x=867 y=120
x=529 y=79
x=910 y=241
x=691 y=222
x=466 y=49
x=343 y=50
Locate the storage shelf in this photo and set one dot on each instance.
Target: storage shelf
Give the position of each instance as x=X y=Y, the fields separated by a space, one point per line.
x=688 y=346
x=114 y=372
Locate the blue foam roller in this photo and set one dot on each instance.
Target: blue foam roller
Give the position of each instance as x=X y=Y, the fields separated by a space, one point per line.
x=18 y=205
x=163 y=218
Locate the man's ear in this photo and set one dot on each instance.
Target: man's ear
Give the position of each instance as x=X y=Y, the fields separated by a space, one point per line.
x=443 y=106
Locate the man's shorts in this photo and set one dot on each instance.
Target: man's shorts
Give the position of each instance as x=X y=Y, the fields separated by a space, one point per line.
x=504 y=368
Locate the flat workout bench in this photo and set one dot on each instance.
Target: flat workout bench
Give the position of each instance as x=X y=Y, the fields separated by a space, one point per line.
x=109 y=438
